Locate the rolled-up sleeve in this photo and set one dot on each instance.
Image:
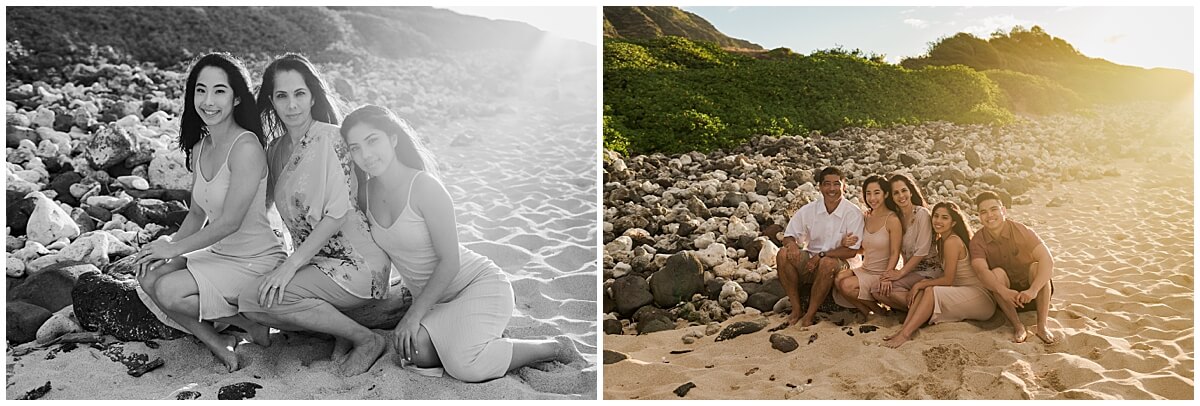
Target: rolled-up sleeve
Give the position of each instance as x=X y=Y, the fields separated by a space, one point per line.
x=923 y=233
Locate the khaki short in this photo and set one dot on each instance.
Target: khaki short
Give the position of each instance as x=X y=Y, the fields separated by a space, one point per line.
x=809 y=277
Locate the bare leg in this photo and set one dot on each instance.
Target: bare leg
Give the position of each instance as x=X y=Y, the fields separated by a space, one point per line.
x=897 y=299
x=822 y=284
x=259 y=334
x=1042 y=330
x=324 y=318
x=149 y=280
x=917 y=317
x=1010 y=311
x=179 y=298
x=789 y=277
x=847 y=285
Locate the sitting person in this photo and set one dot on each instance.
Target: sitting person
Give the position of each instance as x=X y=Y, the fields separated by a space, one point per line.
x=1015 y=266
x=820 y=226
x=957 y=294
x=880 y=248
x=914 y=247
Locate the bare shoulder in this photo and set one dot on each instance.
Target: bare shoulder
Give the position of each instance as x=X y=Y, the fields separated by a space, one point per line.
x=246 y=152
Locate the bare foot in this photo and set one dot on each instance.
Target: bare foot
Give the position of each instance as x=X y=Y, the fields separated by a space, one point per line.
x=896 y=341
x=225 y=351
x=1045 y=335
x=567 y=353
x=341 y=350
x=1019 y=333
x=806 y=321
x=363 y=356
x=794 y=318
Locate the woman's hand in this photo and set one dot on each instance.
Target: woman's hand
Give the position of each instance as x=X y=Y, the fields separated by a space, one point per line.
x=406 y=334
x=912 y=294
x=885 y=287
x=159 y=250
x=849 y=240
x=893 y=275
x=273 y=284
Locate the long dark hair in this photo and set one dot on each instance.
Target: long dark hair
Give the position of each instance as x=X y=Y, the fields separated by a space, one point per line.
x=917 y=198
x=191 y=126
x=325 y=108
x=409 y=149
x=887 y=193
x=960 y=225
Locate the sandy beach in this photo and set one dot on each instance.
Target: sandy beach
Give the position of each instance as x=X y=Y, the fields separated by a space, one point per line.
x=524 y=189
x=1124 y=256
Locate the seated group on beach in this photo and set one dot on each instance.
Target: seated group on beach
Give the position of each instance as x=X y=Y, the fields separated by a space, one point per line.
x=357 y=201
x=948 y=273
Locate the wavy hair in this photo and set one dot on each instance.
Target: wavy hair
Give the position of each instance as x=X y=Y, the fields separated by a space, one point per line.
x=191 y=126
x=409 y=149
x=325 y=108
x=917 y=198
x=960 y=225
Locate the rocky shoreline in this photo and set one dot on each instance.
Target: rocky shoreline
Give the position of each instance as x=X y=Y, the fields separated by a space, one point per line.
x=690 y=239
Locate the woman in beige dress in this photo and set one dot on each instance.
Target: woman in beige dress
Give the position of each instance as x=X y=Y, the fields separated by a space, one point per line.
x=462 y=301
x=195 y=277
x=915 y=246
x=880 y=250
x=956 y=295
x=335 y=266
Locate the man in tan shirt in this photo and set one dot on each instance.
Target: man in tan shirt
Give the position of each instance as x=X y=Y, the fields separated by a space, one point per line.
x=1015 y=266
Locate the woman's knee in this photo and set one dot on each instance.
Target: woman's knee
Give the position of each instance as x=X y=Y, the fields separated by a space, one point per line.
x=466 y=371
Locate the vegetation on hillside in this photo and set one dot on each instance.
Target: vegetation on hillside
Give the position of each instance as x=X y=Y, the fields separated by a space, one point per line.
x=652 y=22
x=674 y=95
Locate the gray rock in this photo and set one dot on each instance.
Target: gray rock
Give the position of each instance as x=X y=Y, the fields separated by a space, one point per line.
x=763 y=301
x=631 y=292
x=109 y=146
x=678 y=280
x=784 y=343
x=741 y=328
x=651 y=319
x=613 y=357
x=22 y=321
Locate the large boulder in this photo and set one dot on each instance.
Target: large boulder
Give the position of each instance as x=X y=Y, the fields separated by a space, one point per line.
x=109 y=146
x=18 y=208
x=48 y=222
x=631 y=292
x=49 y=288
x=110 y=304
x=146 y=211
x=678 y=280
x=651 y=319
x=23 y=320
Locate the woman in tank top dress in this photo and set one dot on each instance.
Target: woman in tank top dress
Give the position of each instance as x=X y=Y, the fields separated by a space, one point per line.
x=915 y=246
x=335 y=266
x=194 y=277
x=956 y=295
x=880 y=250
x=462 y=301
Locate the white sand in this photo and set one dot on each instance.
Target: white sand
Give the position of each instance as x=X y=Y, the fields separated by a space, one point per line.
x=1124 y=273
x=524 y=196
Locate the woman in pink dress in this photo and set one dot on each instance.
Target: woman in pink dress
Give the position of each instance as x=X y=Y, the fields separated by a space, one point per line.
x=880 y=250
x=195 y=276
x=462 y=301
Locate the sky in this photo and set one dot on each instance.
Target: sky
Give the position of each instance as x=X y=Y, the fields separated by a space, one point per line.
x=577 y=23
x=1140 y=36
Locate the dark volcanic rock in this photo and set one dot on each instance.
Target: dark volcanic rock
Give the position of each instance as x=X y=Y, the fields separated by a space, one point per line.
x=108 y=147
x=678 y=280
x=712 y=289
x=650 y=319
x=36 y=393
x=613 y=357
x=111 y=306
x=83 y=220
x=187 y=395
x=740 y=328
x=631 y=292
x=155 y=211
x=613 y=326
x=763 y=301
x=23 y=320
x=49 y=288
x=783 y=343
x=906 y=160
x=99 y=213
x=62 y=184
x=682 y=390
x=772 y=231
x=238 y=391
x=15 y=133
x=17 y=211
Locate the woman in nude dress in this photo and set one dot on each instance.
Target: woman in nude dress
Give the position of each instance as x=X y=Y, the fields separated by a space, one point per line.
x=462 y=301
x=880 y=250
x=956 y=295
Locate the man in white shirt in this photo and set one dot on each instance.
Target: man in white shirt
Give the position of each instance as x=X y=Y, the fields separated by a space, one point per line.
x=812 y=250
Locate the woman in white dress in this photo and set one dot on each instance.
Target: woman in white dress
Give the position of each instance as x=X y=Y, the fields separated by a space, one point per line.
x=462 y=301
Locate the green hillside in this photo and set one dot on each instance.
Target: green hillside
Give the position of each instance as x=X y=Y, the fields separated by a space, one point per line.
x=653 y=22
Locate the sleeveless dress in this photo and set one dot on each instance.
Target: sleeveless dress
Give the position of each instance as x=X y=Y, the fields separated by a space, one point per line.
x=875 y=257
x=467 y=322
x=967 y=299
x=314 y=182
x=223 y=269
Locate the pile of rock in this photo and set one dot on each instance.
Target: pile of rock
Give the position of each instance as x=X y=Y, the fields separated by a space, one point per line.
x=698 y=233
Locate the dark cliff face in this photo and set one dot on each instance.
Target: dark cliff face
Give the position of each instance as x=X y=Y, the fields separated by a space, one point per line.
x=650 y=22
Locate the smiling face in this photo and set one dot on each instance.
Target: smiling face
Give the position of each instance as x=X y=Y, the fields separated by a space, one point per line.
x=874 y=195
x=371 y=149
x=292 y=99
x=943 y=222
x=213 y=97
x=901 y=195
x=992 y=214
x=832 y=188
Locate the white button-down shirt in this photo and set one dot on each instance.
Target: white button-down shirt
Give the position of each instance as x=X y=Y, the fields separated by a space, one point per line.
x=817 y=230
